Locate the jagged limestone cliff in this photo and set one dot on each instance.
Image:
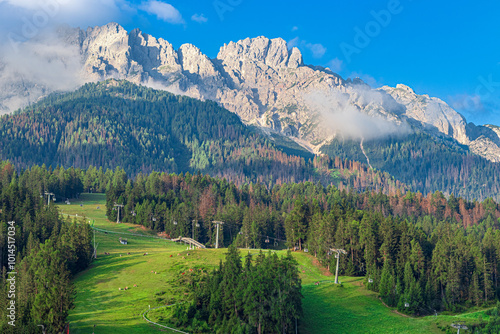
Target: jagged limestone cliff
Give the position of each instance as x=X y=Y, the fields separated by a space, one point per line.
x=260 y=79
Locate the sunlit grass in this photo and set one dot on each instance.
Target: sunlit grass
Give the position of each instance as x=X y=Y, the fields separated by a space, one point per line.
x=327 y=307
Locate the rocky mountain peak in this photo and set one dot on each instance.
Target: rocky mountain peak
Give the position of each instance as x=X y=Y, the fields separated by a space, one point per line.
x=261 y=80
x=109 y=29
x=295 y=59
x=405 y=88
x=271 y=52
x=495 y=128
x=195 y=62
x=431 y=112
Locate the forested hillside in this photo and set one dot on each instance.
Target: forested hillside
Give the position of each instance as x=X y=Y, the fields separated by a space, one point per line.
x=428 y=251
x=47 y=251
x=119 y=124
x=426 y=164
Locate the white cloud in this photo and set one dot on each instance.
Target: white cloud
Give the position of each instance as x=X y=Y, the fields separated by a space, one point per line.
x=340 y=113
x=48 y=62
x=16 y=15
x=466 y=102
x=295 y=28
x=317 y=50
x=26 y=4
x=163 y=11
x=336 y=65
x=200 y=18
x=295 y=42
x=476 y=109
x=45 y=65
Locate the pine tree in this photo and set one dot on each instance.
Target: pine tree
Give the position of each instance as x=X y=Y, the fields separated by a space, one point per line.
x=387 y=285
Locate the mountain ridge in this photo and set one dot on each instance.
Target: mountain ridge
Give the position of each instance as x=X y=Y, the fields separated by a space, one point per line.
x=266 y=84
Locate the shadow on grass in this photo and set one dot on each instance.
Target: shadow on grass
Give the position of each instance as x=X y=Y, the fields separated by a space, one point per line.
x=350 y=309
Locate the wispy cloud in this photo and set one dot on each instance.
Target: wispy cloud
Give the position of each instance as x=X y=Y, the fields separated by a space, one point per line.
x=33 y=48
x=163 y=11
x=42 y=66
x=340 y=113
x=295 y=28
x=26 y=4
x=200 y=18
x=19 y=15
x=336 y=65
x=295 y=42
x=33 y=41
x=475 y=108
x=48 y=62
x=317 y=50
x=466 y=102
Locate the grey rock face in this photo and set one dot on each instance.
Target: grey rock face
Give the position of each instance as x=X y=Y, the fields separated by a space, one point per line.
x=436 y=114
x=260 y=79
x=495 y=129
x=431 y=111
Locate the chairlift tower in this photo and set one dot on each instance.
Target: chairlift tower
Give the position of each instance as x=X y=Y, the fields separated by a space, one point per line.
x=459 y=327
x=119 y=206
x=195 y=225
x=338 y=251
x=48 y=194
x=217 y=238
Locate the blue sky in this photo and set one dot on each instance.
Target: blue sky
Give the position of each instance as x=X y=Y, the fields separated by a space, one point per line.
x=448 y=49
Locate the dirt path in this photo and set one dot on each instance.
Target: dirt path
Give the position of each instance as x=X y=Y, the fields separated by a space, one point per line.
x=144 y=315
x=324 y=271
x=394 y=311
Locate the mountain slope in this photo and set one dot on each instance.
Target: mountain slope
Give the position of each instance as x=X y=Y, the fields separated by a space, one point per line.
x=435 y=116
x=119 y=124
x=259 y=79
x=426 y=164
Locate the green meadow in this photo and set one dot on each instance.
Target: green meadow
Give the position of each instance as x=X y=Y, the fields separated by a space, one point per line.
x=152 y=270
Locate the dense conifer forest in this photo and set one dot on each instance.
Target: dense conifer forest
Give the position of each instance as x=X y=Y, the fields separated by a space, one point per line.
x=48 y=251
x=430 y=252
x=426 y=164
x=261 y=295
